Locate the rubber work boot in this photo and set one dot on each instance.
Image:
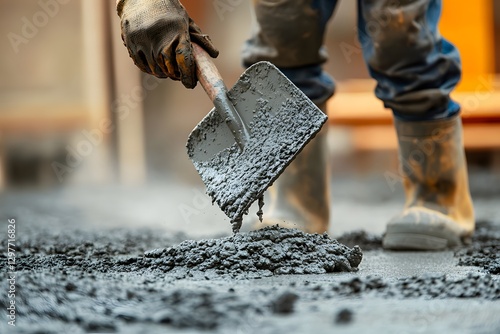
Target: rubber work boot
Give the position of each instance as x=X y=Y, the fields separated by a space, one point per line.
x=300 y=197
x=438 y=211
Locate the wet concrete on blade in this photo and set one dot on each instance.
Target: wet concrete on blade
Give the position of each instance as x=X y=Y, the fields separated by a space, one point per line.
x=235 y=179
x=86 y=281
x=280 y=126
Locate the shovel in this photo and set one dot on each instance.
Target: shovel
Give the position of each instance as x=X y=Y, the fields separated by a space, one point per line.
x=255 y=130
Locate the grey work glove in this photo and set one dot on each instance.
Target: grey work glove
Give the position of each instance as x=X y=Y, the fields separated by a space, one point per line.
x=158 y=36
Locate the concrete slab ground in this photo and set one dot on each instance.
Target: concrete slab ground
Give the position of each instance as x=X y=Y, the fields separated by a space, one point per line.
x=58 y=229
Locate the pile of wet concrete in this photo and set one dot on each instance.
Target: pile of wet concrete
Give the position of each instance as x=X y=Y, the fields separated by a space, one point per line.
x=262 y=253
x=266 y=252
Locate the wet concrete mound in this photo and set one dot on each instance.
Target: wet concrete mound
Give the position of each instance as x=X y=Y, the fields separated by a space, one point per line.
x=266 y=252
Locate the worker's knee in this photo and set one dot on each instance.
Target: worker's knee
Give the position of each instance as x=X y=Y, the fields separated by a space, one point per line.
x=396 y=32
x=288 y=33
x=282 y=22
x=415 y=68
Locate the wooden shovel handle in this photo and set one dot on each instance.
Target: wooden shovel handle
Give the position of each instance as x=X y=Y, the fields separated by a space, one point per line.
x=211 y=81
x=208 y=74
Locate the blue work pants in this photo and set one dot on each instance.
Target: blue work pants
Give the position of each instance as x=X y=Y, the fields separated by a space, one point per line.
x=414 y=66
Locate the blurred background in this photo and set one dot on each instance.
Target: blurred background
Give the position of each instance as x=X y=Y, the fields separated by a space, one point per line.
x=74 y=111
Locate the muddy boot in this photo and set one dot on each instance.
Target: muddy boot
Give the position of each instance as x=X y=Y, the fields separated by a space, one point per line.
x=300 y=197
x=438 y=211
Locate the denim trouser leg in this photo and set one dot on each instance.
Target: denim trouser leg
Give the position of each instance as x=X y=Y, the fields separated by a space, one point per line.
x=415 y=68
x=290 y=34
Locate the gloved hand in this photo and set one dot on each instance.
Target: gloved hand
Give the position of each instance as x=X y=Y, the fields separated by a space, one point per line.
x=158 y=36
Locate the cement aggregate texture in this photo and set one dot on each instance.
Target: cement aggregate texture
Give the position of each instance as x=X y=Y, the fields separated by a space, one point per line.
x=266 y=252
x=106 y=303
x=80 y=281
x=282 y=120
x=484 y=250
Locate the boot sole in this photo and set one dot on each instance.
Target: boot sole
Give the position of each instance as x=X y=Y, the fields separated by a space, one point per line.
x=423 y=229
x=420 y=237
x=413 y=241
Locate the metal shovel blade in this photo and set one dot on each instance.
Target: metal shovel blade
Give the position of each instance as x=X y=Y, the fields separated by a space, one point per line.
x=281 y=120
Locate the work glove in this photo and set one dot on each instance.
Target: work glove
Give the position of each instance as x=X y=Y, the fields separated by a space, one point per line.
x=158 y=36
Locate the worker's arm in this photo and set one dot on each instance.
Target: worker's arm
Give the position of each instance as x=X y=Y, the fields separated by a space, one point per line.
x=158 y=36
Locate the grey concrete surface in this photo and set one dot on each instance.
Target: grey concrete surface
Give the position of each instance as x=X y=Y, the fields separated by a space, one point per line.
x=172 y=208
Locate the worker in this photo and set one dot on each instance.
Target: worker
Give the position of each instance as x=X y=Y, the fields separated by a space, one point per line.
x=415 y=69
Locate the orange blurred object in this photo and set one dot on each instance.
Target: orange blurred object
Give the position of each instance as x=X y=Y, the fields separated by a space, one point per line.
x=469 y=25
